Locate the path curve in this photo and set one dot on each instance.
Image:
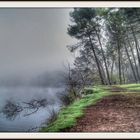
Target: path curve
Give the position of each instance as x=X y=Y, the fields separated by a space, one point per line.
x=117 y=113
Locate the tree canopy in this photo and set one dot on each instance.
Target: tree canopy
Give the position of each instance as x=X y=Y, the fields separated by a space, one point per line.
x=108 y=43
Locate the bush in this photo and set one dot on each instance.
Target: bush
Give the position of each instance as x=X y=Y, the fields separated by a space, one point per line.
x=87 y=91
x=65 y=98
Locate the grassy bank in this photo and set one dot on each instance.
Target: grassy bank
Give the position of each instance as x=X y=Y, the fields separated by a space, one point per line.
x=68 y=116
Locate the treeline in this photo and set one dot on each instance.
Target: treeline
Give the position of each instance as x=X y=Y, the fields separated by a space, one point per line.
x=108 y=45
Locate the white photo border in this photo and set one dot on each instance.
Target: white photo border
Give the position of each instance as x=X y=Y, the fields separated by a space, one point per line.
x=68 y=4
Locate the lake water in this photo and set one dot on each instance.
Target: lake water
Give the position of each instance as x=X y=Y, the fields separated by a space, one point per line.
x=24 y=94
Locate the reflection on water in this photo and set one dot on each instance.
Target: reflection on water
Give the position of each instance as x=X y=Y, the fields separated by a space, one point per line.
x=23 y=123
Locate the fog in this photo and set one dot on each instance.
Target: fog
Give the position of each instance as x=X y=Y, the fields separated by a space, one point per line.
x=32 y=57
x=33 y=41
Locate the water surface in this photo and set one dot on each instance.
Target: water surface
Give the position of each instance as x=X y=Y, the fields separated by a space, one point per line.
x=21 y=94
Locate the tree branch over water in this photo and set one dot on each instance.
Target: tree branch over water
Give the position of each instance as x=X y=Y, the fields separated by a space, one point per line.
x=11 y=109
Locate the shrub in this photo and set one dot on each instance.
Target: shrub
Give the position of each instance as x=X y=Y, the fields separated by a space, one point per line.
x=65 y=98
x=87 y=91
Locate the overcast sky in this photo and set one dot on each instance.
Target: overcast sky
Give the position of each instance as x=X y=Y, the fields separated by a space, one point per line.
x=33 y=40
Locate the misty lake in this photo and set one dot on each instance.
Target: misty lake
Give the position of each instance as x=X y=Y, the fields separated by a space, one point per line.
x=33 y=61
x=21 y=94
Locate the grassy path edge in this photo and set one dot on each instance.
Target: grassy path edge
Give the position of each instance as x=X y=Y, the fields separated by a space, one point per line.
x=68 y=116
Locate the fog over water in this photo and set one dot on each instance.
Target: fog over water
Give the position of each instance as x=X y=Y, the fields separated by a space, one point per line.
x=32 y=53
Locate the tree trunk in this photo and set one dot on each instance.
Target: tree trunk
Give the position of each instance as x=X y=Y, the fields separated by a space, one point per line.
x=123 y=76
x=137 y=71
x=97 y=61
x=130 y=63
x=136 y=45
x=104 y=58
x=103 y=72
x=119 y=61
x=112 y=67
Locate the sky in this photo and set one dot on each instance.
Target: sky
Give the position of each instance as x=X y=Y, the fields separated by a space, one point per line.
x=33 y=41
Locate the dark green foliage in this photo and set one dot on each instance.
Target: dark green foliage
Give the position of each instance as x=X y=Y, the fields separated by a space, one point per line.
x=87 y=91
x=66 y=98
x=82 y=18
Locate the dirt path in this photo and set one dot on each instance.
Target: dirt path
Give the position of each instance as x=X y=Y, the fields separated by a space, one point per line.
x=117 y=113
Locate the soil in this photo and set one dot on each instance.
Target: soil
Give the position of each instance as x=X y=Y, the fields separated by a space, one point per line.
x=115 y=113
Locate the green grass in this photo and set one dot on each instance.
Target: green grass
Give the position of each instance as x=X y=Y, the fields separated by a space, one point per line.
x=131 y=87
x=68 y=116
x=134 y=88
